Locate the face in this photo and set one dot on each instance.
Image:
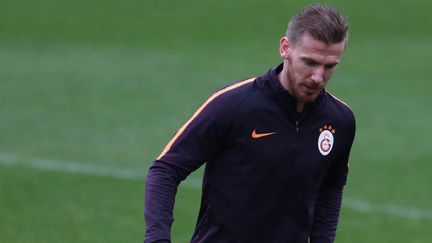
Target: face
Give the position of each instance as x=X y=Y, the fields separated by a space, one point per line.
x=308 y=66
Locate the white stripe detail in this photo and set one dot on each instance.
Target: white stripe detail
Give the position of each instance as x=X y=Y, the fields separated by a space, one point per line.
x=74 y=167
x=129 y=173
x=78 y=167
x=388 y=209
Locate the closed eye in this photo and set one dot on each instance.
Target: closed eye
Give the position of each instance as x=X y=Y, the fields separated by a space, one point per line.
x=310 y=62
x=330 y=66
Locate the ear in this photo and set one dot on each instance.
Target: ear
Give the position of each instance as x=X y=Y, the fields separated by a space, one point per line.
x=284 y=47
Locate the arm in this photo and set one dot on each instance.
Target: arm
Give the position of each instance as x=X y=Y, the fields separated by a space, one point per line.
x=161 y=188
x=193 y=144
x=329 y=199
x=326 y=215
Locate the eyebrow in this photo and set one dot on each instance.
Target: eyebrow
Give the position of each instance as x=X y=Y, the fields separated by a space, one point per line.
x=313 y=61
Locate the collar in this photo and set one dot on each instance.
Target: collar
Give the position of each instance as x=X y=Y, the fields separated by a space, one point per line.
x=288 y=102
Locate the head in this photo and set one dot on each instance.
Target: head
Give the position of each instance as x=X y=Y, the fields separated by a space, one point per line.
x=311 y=50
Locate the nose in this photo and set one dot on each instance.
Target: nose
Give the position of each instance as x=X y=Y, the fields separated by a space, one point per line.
x=318 y=75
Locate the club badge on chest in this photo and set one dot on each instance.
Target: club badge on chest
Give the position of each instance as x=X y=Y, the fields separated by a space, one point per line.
x=326 y=139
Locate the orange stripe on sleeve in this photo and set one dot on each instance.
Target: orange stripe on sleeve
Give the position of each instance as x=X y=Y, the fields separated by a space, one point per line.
x=200 y=109
x=340 y=100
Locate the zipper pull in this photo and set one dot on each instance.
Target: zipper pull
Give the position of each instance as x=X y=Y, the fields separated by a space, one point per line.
x=297 y=126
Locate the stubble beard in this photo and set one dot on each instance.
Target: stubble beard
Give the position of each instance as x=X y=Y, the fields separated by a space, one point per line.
x=296 y=88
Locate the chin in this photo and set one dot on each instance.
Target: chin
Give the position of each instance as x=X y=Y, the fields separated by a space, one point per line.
x=307 y=99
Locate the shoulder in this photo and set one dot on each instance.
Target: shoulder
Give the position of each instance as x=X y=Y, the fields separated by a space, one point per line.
x=235 y=90
x=220 y=106
x=340 y=109
x=230 y=96
x=340 y=105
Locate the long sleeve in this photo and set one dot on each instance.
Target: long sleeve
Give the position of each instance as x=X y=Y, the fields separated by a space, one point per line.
x=328 y=203
x=195 y=143
x=161 y=188
x=326 y=215
x=329 y=199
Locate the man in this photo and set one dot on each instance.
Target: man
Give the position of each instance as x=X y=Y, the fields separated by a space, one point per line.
x=276 y=148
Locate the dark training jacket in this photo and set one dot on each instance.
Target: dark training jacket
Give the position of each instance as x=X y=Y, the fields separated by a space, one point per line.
x=272 y=175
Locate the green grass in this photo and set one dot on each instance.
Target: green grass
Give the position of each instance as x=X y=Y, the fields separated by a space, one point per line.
x=107 y=83
x=40 y=206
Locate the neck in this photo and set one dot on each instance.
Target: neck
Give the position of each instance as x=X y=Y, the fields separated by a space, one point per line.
x=282 y=76
x=300 y=106
x=283 y=79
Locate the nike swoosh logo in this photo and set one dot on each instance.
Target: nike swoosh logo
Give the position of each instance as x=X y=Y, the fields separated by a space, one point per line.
x=260 y=135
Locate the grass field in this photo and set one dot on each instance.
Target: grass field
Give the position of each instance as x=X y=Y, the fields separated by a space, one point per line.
x=91 y=91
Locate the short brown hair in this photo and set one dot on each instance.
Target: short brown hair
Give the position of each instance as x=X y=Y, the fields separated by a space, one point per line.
x=322 y=22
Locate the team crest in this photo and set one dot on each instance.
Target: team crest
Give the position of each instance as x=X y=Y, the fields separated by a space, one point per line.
x=326 y=139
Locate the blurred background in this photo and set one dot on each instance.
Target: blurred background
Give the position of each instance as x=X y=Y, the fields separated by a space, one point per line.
x=91 y=91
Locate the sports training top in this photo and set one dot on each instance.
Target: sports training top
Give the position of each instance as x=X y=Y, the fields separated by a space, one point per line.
x=271 y=175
